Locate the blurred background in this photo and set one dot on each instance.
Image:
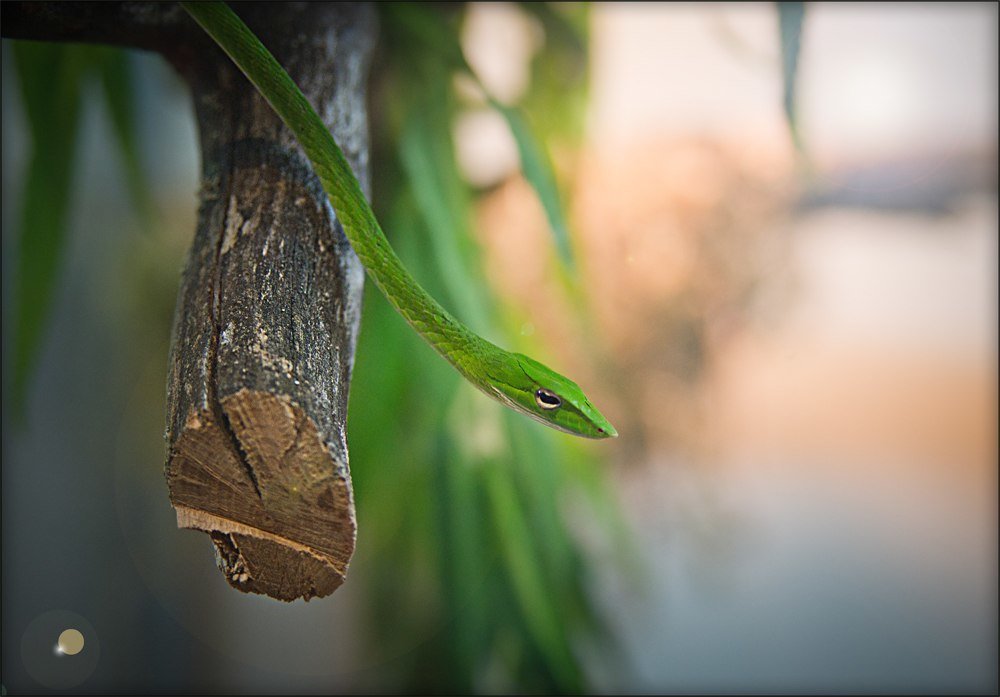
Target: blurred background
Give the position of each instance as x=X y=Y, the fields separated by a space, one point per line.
x=799 y=351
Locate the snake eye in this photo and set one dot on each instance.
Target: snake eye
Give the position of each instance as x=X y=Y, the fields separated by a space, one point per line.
x=547 y=400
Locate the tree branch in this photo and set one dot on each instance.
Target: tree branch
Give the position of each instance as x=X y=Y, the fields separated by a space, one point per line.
x=154 y=26
x=270 y=300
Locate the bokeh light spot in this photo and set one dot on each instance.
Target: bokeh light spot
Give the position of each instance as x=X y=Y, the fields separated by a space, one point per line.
x=70 y=642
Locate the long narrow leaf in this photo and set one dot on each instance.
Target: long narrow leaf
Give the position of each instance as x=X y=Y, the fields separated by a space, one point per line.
x=50 y=84
x=115 y=72
x=790 y=16
x=514 y=536
x=444 y=212
x=538 y=171
x=420 y=27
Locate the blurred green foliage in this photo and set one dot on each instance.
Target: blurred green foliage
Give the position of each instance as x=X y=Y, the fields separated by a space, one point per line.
x=421 y=30
x=52 y=77
x=468 y=501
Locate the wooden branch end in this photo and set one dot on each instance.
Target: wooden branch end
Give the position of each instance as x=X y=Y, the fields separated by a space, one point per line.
x=280 y=513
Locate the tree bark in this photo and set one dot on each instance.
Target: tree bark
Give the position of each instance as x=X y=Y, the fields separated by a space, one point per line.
x=270 y=300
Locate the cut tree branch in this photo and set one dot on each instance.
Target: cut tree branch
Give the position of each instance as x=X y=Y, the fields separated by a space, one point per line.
x=270 y=300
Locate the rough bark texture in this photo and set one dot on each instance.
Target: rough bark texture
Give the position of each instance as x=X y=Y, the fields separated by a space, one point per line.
x=267 y=318
x=269 y=303
x=157 y=26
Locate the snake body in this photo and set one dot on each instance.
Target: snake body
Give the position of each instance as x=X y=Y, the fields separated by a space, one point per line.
x=511 y=378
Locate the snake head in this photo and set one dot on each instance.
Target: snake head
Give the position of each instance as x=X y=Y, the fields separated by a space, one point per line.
x=556 y=401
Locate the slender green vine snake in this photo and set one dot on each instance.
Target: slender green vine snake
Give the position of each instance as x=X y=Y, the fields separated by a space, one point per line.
x=511 y=378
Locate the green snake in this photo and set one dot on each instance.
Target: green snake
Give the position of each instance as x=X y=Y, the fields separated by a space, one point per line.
x=511 y=378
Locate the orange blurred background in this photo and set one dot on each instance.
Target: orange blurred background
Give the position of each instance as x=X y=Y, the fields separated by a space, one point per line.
x=801 y=357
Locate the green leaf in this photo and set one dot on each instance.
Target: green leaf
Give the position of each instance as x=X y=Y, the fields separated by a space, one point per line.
x=516 y=541
x=418 y=27
x=790 y=16
x=537 y=169
x=50 y=76
x=115 y=72
x=426 y=152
